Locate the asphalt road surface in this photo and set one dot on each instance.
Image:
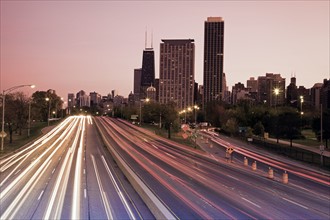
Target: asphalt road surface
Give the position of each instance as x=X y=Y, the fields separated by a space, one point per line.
x=196 y=184
x=67 y=174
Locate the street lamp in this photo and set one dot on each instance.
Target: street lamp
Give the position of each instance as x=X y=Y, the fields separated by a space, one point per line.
x=48 y=100
x=196 y=108
x=301 y=103
x=276 y=92
x=142 y=100
x=4 y=92
x=29 y=123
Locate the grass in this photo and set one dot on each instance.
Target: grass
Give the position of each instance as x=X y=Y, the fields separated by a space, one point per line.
x=21 y=140
x=310 y=138
x=175 y=136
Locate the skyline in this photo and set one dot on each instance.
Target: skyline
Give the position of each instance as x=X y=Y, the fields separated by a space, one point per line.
x=95 y=46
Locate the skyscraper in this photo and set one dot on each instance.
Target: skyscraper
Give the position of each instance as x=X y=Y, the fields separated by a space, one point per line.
x=148 y=71
x=177 y=72
x=213 y=59
x=267 y=86
x=137 y=83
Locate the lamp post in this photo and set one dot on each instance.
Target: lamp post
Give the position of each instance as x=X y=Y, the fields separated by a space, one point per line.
x=142 y=100
x=4 y=92
x=301 y=110
x=276 y=92
x=29 y=123
x=48 y=100
x=196 y=108
x=189 y=109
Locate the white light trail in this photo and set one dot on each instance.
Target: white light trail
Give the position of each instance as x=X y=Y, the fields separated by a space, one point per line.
x=106 y=204
x=61 y=181
x=75 y=211
x=22 y=196
x=29 y=168
x=122 y=198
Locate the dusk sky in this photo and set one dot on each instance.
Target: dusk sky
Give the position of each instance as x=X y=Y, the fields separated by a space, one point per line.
x=95 y=45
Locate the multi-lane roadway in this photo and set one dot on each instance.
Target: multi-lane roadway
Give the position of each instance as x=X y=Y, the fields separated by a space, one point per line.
x=195 y=184
x=69 y=173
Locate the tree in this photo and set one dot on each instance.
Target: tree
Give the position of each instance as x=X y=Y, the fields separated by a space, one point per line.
x=259 y=129
x=41 y=107
x=289 y=125
x=316 y=126
x=170 y=117
x=231 y=126
x=16 y=113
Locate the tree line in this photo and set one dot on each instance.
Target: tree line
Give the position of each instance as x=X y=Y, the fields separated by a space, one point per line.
x=19 y=108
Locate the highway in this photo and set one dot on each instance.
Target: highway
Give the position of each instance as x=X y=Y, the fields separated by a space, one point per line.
x=76 y=172
x=67 y=174
x=196 y=184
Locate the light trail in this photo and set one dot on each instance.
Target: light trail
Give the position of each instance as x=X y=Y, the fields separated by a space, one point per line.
x=61 y=182
x=75 y=210
x=122 y=198
x=106 y=204
x=29 y=168
x=22 y=196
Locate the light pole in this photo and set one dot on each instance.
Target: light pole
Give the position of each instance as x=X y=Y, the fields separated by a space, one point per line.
x=301 y=110
x=4 y=92
x=189 y=109
x=29 y=123
x=196 y=108
x=276 y=92
x=48 y=100
x=142 y=100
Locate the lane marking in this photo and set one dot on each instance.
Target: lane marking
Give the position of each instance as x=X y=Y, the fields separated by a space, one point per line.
x=288 y=200
x=170 y=155
x=53 y=171
x=85 y=193
x=154 y=146
x=233 y=177
x=106 y=203
x=127 y=207
x=42 y=192
x=200 y=176
x=17 y=172
x=251 y=202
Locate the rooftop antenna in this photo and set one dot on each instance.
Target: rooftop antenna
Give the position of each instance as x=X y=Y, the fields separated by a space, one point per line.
x=145 y=40
x=152 y=35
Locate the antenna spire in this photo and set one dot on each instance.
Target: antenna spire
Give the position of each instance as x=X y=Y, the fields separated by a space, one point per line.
x=152 y=37
x=145 y=40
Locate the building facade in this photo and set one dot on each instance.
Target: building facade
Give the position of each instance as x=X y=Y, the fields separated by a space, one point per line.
x=137 y=83
x=213 y=59
x=95 y=98
x=177 y=72
x=271 y=89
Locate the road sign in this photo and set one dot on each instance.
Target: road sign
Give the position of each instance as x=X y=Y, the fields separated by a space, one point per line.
x=230 y=150
x=3 y=134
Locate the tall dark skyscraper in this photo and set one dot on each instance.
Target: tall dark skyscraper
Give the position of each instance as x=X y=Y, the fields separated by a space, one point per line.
x=148 y=71
x=213 y=59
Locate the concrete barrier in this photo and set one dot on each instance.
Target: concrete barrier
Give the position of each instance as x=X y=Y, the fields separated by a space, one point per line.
x=157 y=208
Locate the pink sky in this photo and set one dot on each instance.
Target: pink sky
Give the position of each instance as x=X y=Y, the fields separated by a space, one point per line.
x=95 y=45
